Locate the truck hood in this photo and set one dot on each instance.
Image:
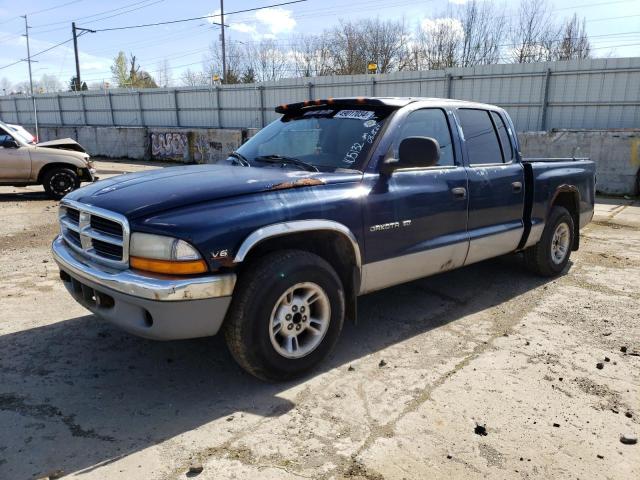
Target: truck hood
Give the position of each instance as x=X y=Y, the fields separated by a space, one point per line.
x=63 y=144
x=145 y=193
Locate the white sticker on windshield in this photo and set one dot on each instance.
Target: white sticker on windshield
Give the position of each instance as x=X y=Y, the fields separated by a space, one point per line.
x=355 y=114
x=369 y=123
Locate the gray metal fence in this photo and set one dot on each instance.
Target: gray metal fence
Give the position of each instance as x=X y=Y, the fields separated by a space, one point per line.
x=591 y=94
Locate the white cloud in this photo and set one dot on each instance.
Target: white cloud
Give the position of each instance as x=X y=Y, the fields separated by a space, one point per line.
x=268 y=23
x=458 y=2
x=276 y=20
x=446 y=24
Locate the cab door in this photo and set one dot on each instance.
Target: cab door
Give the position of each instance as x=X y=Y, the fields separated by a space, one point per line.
x=15 y=162
x=496 y=185
x=416 y=219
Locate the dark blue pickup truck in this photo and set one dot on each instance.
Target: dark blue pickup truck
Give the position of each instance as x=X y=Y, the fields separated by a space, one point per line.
x=337 y=198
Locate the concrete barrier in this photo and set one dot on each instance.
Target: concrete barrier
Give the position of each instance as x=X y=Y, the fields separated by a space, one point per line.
x=616 y=153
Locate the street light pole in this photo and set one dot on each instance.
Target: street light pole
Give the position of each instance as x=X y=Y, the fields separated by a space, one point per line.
x=33 y=98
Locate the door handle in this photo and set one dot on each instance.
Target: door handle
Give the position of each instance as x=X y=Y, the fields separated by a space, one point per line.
x=459 y=192
x=517 y=187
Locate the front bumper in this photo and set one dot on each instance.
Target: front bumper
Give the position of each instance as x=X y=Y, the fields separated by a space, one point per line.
x=157 y=307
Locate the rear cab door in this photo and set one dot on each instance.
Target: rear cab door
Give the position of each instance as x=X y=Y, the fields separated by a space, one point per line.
x=416 y=219
x=496 y=183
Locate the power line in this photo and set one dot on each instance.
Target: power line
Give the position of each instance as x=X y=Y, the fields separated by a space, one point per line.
x=204 y=17
x=95 y=14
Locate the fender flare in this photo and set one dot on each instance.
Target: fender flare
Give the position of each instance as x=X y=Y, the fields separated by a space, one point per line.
x=297 y=226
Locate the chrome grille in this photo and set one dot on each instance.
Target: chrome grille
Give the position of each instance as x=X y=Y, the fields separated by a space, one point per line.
x=96 y=233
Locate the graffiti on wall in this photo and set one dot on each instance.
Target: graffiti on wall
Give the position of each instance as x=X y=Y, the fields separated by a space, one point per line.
x=208 y=150
x=170 y=145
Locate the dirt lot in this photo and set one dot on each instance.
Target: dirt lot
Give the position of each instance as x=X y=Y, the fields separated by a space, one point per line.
x=400 y=398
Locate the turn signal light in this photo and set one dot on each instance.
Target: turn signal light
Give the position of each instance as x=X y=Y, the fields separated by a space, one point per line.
x=168 y=267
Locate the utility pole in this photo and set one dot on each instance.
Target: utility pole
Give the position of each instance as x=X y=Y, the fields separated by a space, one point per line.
x=75 y=50
x=224 y=53
x=35 y=110
x=75 y=30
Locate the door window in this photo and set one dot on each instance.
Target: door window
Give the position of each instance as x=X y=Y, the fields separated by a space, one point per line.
x=480 y=136
x=505 y=141
x=429 y=122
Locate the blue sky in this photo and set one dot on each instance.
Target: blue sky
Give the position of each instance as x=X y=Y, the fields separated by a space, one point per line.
x=614 y=27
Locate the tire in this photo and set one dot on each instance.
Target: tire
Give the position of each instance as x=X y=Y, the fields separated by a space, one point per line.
x=547 y=258
x=262 y=317
x=57 y=182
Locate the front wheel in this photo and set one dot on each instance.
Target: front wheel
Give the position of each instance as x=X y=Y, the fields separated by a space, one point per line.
x=551 y=254
x=286 y=315
x=58 y=182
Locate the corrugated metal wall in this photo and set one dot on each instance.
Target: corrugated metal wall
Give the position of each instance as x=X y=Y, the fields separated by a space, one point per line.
x=589 y=94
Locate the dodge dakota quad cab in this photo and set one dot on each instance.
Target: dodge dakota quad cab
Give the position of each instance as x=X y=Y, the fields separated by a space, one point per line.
x=335 y=199
x=59 y=165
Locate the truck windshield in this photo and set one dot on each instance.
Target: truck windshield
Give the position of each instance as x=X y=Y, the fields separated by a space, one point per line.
x=327 y=139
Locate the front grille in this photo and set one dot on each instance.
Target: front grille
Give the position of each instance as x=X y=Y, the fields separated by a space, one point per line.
x=107 y=226
x=107 y=249
x=96 y=233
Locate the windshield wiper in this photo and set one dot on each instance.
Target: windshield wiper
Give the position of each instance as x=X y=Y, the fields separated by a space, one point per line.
x=242 y=160
x=285 y=160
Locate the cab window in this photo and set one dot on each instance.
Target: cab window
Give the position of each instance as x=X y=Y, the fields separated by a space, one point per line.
x=429 y=122
x=480 y=136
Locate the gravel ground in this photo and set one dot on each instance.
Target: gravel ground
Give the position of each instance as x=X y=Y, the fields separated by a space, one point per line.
x=482 y=372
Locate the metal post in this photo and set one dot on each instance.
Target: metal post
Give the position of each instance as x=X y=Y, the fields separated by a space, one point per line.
x=60 y=115
x=262 y=109
x=447 y=85
x=373 y=86
x=310 y=85
x=35 y=110
x=141 y=113
x=15 y=106
x=224 y=52
x=175 y=105
x=113 y=118
x=84 y=109
x=218 y=108
x=545 y=100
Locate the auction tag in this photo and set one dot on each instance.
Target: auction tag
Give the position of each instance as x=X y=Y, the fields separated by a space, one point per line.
x=355 y=114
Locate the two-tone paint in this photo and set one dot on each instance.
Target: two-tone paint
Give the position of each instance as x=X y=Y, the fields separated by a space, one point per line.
x=413 y=223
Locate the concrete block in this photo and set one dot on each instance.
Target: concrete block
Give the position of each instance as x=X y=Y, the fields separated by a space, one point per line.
x=616 y=153
x=169 y=144
x=213 y=145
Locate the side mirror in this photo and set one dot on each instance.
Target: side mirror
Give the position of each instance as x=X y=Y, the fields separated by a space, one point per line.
x=413 y=152
x=10 y=143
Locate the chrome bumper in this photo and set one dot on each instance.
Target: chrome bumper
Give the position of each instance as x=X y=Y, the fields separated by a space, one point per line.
x=160 y=308
x=129 y=282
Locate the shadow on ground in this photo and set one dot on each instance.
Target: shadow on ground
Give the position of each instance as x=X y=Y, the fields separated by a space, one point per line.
x=79 y=393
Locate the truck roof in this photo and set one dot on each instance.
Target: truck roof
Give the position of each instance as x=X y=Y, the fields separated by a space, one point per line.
x=396 y=102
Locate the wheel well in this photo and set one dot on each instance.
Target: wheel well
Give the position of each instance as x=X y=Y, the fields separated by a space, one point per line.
x=569 y=200
x=332 y=246
x=52 y=166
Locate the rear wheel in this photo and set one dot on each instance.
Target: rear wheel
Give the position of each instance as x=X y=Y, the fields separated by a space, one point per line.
x=286 y=315
x=551 y=254
x=58 y=182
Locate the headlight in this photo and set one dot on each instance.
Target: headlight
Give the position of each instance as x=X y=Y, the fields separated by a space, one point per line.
x=160 y=254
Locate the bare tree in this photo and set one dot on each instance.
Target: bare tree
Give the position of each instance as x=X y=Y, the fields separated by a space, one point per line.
x=438 y=43
x=191 y=78
x=5 y=85
x=484 y=30
x=533 y=33
x=212 y=62
x=311 y=55
x=266 y=60
x=574 y=43
x=49 y=84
